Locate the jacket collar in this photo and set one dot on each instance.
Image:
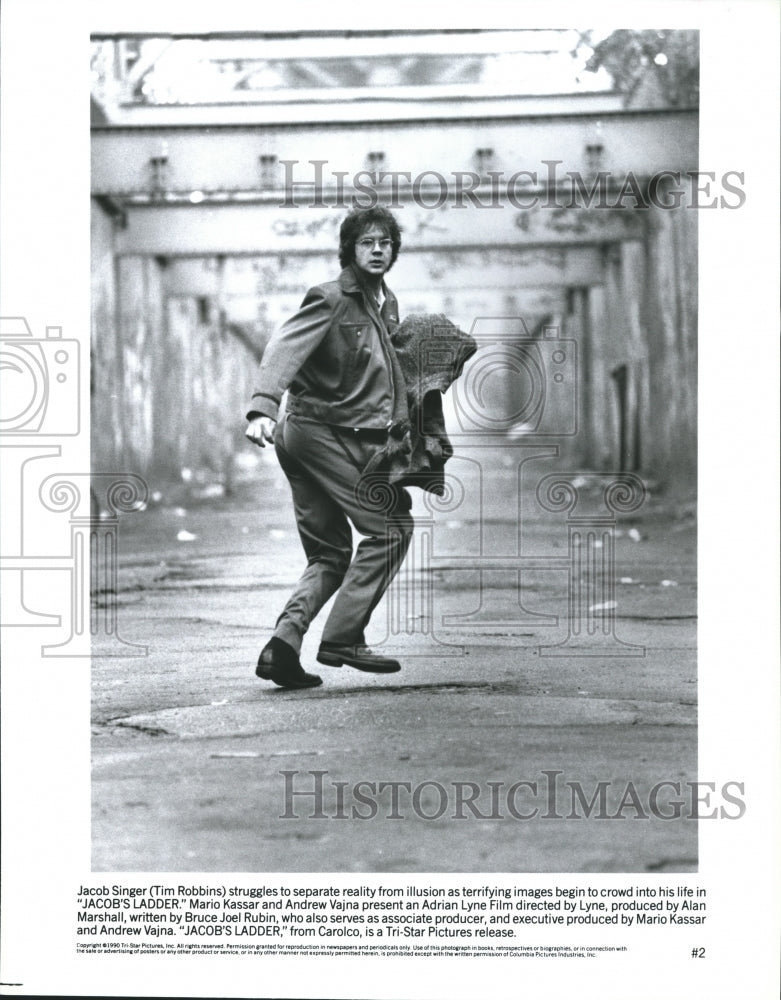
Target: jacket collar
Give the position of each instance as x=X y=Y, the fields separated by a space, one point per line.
x=350 y=282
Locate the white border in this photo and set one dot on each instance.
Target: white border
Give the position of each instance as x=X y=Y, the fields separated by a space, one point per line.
x=44 y=275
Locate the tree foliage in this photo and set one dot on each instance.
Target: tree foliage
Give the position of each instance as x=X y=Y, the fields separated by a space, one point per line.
x=662 y=63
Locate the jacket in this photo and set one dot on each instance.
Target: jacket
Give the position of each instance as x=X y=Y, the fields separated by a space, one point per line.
x=335 y=358
x=432 y=352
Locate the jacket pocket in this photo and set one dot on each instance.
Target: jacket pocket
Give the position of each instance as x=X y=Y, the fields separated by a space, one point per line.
x=353 y=346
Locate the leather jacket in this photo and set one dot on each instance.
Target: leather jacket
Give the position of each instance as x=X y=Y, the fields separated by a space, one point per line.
x=335 y=358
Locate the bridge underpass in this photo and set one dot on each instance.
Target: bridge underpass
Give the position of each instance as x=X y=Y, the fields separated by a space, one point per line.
x=516 y=181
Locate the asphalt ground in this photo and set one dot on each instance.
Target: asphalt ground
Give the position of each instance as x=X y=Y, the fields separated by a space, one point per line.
x=525 y=732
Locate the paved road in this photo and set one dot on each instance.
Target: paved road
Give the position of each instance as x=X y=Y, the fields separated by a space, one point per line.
x=196 y=762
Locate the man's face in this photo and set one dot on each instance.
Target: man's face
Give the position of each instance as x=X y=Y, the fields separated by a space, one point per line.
x=373 y=251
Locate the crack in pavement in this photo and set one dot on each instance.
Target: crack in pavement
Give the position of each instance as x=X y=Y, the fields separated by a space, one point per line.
x=138 y=727
x=671 y=864
x=577 y=709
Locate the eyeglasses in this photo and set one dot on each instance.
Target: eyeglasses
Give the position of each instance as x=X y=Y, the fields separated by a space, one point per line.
x=367 y=244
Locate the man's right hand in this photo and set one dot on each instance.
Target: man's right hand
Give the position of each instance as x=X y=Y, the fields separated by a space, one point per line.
x=260 y=430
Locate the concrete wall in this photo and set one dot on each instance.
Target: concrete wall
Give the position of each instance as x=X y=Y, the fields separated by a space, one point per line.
x=636 y=332
x=170 y=374
x=671 y=312
x=106 y=372
x=205 y=383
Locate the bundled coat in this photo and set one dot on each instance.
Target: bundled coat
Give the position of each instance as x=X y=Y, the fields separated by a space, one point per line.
x=432 y=352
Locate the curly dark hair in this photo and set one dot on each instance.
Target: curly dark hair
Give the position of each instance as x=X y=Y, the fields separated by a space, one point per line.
x=359 y=220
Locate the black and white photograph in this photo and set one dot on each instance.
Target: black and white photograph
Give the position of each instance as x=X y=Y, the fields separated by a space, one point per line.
x=449 y=279
x=383 y=542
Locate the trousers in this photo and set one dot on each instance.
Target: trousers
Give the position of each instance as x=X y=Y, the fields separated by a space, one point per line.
x=323 y=465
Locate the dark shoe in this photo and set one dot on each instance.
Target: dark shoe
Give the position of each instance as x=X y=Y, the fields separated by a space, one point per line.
x=360 y=657
x=279 y=662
